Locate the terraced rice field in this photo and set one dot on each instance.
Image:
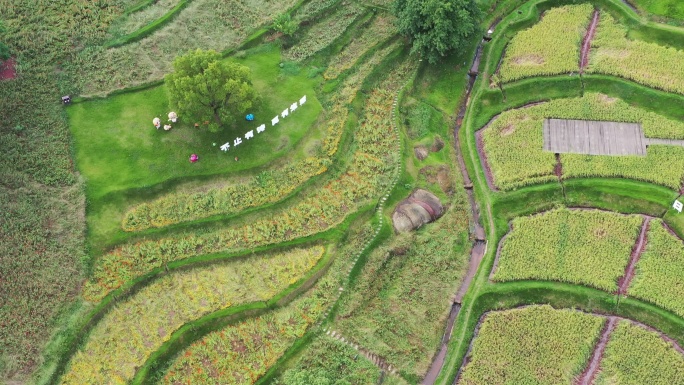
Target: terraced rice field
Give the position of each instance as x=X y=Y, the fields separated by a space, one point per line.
x=635 y=356
x=586 y=247
x=550 y=47
x=651 y=64
x=660 y=271
x=513 y=144
x=536 y=344
x=129 y=333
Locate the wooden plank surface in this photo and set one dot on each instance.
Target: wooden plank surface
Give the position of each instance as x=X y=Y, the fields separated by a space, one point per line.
x=664 y=142
x=594 y=137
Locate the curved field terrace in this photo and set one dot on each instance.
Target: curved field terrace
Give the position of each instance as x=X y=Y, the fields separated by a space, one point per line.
x=250 y=240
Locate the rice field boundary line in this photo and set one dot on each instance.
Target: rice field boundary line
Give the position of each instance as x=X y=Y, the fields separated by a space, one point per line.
x=329 y=314
x=139 y=7
x=498 y=251
x=485 y=195
x=637 y=251
x=82 y=329
x=148 y=29
x=590 y=371
x=184 y=336
x=586 y=43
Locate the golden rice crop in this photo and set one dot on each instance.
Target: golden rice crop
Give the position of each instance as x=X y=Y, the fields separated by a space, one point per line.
x=636 y=356
x=532 y=345
x=381 y=28
x=324 y=33
x=647 y=63
x=550 y=47
x=267 y=187
x=241 y=353
x=587 y=247
x=660 y=271
x=135 y=328
x=513 y=144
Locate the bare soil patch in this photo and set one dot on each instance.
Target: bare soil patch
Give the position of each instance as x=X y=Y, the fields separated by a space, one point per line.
x=531 y=59
x=8 y=69
x=421 y=152
x=606 y=99
x=437 y=145
x=508 y=130
x=586 y=43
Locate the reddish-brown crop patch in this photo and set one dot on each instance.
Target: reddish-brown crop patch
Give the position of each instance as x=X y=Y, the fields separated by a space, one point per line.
x=8 y=69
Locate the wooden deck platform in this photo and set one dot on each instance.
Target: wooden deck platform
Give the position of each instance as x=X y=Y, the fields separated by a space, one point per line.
x=594 y=137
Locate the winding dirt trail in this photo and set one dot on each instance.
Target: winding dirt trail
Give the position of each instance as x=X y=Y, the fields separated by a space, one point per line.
x=586 y=43
x=637 y=250
x=587 y=377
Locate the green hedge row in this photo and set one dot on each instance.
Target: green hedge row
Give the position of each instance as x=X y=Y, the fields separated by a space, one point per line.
x=663 y=103
x=491 y=101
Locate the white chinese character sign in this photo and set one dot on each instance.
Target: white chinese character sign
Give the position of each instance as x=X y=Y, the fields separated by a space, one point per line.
x=678 y=206
x=286 y=112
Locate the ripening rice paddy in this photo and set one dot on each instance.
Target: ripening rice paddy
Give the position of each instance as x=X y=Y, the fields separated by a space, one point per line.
x=531 y=345
x=513 y=144
x=586 y=247
x=550 y=47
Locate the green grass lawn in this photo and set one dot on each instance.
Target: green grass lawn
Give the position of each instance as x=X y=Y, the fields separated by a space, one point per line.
x=118 y=148
x=669 y=8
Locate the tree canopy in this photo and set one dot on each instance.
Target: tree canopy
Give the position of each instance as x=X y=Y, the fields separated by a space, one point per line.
x=437 y=27
x=205 y=88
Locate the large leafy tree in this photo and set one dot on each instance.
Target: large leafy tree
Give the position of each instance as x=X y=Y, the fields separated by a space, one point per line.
x=205 y=88
x=437 y=27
